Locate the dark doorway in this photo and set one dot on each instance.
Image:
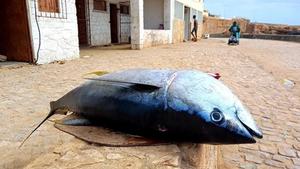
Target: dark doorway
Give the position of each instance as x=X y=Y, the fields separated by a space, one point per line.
x=15 y=41
x=113 y=23
x=81 y=21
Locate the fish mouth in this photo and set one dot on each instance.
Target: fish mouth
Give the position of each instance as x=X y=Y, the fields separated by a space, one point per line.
x=244 y=128
x=241 y=133
x=250 y=128
x=253 y=133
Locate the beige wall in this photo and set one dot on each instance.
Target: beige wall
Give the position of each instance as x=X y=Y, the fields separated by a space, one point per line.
x=178 y=30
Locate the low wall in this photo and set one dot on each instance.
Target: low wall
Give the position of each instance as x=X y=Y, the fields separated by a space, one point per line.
x=291 y=38
x=156 y=37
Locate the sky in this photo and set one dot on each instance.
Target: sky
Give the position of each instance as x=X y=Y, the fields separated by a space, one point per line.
x=266 y=11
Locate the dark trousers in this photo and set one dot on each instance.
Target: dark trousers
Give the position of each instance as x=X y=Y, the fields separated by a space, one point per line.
x=194 y=32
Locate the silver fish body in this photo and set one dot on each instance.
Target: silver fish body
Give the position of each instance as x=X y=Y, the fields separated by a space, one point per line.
x=173 y=105
x=184 y=105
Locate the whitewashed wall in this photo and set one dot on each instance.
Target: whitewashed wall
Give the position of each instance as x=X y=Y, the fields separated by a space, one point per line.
x=156 y=37
x=59 y=37
x=196 y=4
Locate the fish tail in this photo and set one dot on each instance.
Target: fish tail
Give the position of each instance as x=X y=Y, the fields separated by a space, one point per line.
x=54 y=107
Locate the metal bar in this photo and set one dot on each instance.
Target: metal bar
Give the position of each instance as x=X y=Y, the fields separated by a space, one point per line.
x=61 y=14
x=89 y=22
x=66 y=10
x=61 y=9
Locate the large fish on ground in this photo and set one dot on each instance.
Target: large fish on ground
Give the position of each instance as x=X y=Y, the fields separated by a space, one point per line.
x=175 y=105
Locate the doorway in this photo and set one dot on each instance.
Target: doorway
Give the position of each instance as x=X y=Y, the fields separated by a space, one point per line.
x=82 y=22
x=187 y=23
x=15 y=39
x=114 y=23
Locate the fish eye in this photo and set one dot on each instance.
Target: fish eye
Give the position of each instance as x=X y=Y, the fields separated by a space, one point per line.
x=216 y=116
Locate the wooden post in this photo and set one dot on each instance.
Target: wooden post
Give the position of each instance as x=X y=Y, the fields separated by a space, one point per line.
x=200 y=156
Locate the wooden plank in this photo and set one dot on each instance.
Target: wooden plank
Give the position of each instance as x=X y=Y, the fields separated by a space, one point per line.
x=81 y=20
x=114 y=23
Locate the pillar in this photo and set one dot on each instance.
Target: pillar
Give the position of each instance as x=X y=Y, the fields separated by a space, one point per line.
x=169 y=6
x=137 y=23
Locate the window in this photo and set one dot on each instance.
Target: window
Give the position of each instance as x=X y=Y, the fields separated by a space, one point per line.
x=179 y=10
x=124 y=9
x=49 y=6
x=100 y=5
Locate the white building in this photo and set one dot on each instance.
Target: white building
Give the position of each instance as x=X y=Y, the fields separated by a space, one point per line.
x=43 y=31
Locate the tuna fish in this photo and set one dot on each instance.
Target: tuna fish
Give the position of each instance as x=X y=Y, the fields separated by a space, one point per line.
x=175 y=105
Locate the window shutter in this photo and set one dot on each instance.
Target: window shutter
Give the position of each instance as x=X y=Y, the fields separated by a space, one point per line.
x=124 y=9
x=49 y=6
x=100 y=5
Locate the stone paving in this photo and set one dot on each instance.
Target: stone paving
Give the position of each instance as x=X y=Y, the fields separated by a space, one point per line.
x=25 y=94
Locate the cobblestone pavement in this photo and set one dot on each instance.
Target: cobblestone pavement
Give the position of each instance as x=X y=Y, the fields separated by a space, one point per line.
x=25 y=94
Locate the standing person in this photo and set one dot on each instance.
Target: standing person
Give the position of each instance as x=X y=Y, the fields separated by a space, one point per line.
x=195 y=28
x=235 y=30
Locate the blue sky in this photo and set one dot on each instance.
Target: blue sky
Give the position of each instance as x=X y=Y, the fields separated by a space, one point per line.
x=267 y=11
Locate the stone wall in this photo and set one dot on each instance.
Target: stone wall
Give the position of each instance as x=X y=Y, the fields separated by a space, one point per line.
x=59 y=36
x=213 y=25
x=261 y=28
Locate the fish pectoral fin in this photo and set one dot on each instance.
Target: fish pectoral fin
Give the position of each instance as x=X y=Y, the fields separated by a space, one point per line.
x=106 y=137
x=74 y=119
x=144 y=88
x=62 y=111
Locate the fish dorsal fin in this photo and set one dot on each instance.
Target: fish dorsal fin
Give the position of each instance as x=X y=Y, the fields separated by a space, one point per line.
x=136 y=86
x=140 y=77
